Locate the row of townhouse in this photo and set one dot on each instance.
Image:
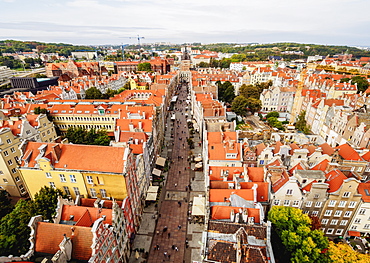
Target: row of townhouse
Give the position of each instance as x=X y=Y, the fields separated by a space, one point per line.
x=89 y=230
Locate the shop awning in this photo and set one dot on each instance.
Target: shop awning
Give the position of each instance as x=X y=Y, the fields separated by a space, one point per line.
x=152 y=193
x=157 y=172
x=198 y=208
x=151 y=197
x=198 y=159
x=354 y=233
x=199 y=165
x=160 y=161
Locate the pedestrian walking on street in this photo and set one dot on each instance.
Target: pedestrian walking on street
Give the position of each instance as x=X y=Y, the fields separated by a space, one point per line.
x=186 y=188
x=179 y=227
x=165 y=229
x=173 y=247
x=169 y=234
x=179 y=203
x=165 y=253
x=175 y=185
x=177 y=249
x=168 y=195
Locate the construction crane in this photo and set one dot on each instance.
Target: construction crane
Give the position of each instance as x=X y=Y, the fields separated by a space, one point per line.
x=138 y=39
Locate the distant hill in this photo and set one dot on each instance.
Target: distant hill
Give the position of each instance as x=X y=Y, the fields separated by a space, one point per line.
x=13 y=46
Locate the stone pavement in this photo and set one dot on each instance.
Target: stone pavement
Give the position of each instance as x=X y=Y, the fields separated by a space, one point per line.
x=174 y=200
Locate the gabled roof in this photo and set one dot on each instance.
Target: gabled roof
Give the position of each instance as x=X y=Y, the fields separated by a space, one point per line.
x=84 y=214
x=364 y=190
x=219 y=195
x=256 y=174
x=366 y=156
x=326 y=149
x=348 y=153
x=308 y=186
x=49 y=236
x=335 y=180
x=321 y=165
x=78 y=156
x=223 y=212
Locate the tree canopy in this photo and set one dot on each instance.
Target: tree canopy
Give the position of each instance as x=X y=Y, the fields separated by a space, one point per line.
x=14 y=230
x=249 y=91
x=343 y=253
x=5 y=206
x=240 y=105
x=226 y=91
x=301 y=123
x=294 y=229
x=145 y=66
x=362 y=83
x=91 y=137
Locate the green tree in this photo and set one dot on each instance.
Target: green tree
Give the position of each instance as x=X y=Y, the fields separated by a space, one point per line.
x=146 y=66
x=203 y=65
x=5 y=206
x=249 y=91
x=254 y=104
x=14 y=230
x=90 y=137
x=46 y=200
x=93 y=93
x=362 y=83
x=226 y=91
x=272 y=114
x=239 y=106
x=301 y=123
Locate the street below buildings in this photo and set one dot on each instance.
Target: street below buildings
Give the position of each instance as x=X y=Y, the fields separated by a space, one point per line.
x=166 y=231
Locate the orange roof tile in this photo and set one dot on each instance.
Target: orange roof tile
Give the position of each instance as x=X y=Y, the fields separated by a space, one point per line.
x=256 y=174
x=94 y=158
x=219 y=195
x=335 y=180
x=80 y=211
x=364 y=190
x=326 y=149
x=321 y=165
x=223 y=212
x=49 y=236
x=348 y=153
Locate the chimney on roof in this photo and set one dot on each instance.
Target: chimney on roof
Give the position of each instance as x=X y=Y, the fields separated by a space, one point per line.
x=131 y=127
x=140 y=126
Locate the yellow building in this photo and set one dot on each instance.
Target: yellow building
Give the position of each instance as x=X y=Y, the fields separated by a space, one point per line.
x=10 y=178
x=85 y=170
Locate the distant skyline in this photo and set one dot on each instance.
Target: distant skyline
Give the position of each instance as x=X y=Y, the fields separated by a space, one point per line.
x=100 y=22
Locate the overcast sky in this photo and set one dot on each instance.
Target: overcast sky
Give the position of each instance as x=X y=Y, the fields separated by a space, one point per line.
x=338 y=22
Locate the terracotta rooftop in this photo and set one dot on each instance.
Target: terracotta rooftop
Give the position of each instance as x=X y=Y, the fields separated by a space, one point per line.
x=49 y=236
x=364 y=190
x=223 y=212
x=259 y=231
x=335 y=180
x=348 y=153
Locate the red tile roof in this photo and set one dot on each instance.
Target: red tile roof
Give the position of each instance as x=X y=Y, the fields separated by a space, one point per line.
x=49 y=236
x=219 y=195
x=326 y=149
x=364 y=190
x=348 y=153
x=321 y=165
x=223 y=212
x=80 y=211
x=335 y=180
x=256 y=174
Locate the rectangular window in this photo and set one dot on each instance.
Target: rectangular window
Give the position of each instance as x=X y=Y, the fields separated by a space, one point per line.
x=10 y=162
x=330 y=231
x=9 y=141
x=52 y=184
x=100 y=180
x=103 y=193
x=308 y=203
x=76 y=190
x=347 y=194
x=366 y=226
x=342 y=203
x=66 y=190
x=276 y=202
x=62 y=178
x=328 y=212
x=334 y=222
x=357 y=221
x=14 y=170
x=295 y=203
x=353 y=227
x=93 y=192
x=289 y=191
x=5 y=180
x=89 y=179
x=332 y=203
x=338 y=213
x=352 y=204
x=339 y=231
x=17 y=179
x=73 y=178
x=316 y=196
x=343 y=222
x=324 y=221
x=12 y=150
x=315 y=213
x=347 y=213
x=362 y=211
x=262 y=161
x=6 y=153
x=318 y=204
x=48 y=175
